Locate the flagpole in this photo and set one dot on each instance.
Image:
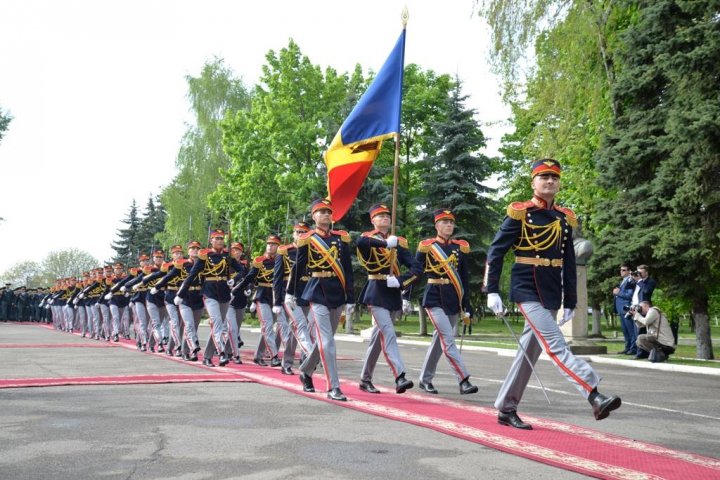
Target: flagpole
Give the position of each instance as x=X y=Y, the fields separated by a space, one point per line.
x=396 y=170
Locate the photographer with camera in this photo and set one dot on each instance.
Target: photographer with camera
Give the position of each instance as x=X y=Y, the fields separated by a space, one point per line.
x=658 y=340
x=644 y=287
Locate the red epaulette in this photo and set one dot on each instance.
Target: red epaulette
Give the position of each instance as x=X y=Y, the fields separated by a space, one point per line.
x=424 y=245
x=569 y=215
x=344 y=236
x=166 y=266
x=258 y=261
x=283 y=249
x=149 y=269
x=464 y=245
x=304 y=238
x=517 y=210
x=203 y=254
x=370 y=233
x=180 y=263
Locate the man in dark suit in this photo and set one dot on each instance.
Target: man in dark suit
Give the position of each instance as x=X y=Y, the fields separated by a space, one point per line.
x=623 y=294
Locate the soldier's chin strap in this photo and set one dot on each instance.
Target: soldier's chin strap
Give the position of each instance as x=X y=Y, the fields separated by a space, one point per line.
x=527 y=359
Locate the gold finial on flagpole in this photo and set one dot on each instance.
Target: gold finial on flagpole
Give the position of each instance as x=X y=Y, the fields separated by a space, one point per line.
x=404 y=16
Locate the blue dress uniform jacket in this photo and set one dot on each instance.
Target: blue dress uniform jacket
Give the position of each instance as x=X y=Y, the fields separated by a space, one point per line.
x=261 y=274
x=238 y=298
x=214 y=269
x=284 y=261
x=440 y=290
x=544 y=269
x=176 y=276
x=151 y=280
x=375 y=257
x=323 y=257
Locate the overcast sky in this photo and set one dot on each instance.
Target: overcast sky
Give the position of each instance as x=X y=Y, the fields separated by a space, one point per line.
x=98 y=93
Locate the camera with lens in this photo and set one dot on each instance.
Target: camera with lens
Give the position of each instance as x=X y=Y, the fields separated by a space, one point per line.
x=631 y=308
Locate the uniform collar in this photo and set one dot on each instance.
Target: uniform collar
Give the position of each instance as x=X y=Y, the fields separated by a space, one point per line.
x=539 y=202
x=440 y=239
x=322 y=232
x=378 y=232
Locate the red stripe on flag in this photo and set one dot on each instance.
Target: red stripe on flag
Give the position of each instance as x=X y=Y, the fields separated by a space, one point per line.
x=344 y=183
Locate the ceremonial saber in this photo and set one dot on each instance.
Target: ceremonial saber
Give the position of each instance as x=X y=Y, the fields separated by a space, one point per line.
x=502 y=315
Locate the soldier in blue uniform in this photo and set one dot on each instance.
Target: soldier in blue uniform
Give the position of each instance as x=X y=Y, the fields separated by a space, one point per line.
x=260 y=277
x=324 y=256
x=238 y=302
x=297 y=317
x=443 y=260
x=213 y=266
x=381 y=255
x=543 y=279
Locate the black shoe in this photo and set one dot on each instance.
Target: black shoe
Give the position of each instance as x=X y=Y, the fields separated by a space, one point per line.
x=275 y=361
x=161 y=349
x=602 y=405
x=367 y=386
x=307 y=383
x=428 y=387
x=237 y=360
x=223 y=360
x=143 y=348
x=83 y=335
x=259 y=361
x=186 y=357
x=197 y=347
x=287 y=371
x=511 y=419
x=623 y=352
x=169 y=352
x=208 y=362
x=642 y=354
x=193 y=357
x=152 y=349
x=402 y=384
x=467 y=388
x=240 y=343
x=115 y=338
x=336 y=394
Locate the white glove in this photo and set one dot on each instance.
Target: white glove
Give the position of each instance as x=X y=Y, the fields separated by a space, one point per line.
x=178 y=301
x=391 y=241
x=568 y=314
x=108 y=296
x=123 y=289
x=407 y=307
x=81 y=295
x=153 y=291
x=136 y=287
x=75 y=300
x=51 y=301
x=494 y=303
x=290 y=301
x=253 y=307
x=248 y=292
x=349 y=309
x=276 y=309
x=392 y=282
x=231 y=282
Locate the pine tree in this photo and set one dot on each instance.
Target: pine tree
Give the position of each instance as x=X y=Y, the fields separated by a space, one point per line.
x=662 y=159
x=127 y=246
x=453 y=178
x=151 y=224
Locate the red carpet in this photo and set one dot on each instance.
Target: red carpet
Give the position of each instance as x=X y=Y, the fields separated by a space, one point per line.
x=566 y=446
x=54 y=345
x=119 y=380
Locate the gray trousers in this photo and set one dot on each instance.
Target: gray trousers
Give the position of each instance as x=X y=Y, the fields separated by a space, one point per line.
x=80 y=319
x=89 y=320
x=541 y=332
x=142 y=322
x=326 y=323
x=218 y=327
x=104 y=319
x=443 y=341
x=287 y=336
x=176 y=333
x=191 y=320
x=69 y=316
x=158 y=315
x=117 y=314
x=297 y=317
x=235 y=318
x=267 y=343
x=382 y=338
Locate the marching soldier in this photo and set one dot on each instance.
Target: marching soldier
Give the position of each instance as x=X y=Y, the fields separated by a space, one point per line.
x=444 y=262
x=213 y=267
x=261 y=276
x=236 y=311
x=167 y=291
x=380 y=255
x=543 y=278
x=297 y=317
x=324 y=254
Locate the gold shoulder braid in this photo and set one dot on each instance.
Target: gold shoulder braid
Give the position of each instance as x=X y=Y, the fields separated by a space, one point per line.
x=539 y=237
x=433 y=265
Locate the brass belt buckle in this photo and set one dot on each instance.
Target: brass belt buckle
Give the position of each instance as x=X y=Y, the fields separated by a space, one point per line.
x=546 y=262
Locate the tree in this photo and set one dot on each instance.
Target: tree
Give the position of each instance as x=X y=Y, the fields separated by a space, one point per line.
x=5 y=119
x=453 y=177
x=26 y=273
x=151 y=225
x=661 y=161
x=68 y=263
x=128 y=246
x=201 y=159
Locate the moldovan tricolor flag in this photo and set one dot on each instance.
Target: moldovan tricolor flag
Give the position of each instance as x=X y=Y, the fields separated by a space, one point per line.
x=375 y=118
